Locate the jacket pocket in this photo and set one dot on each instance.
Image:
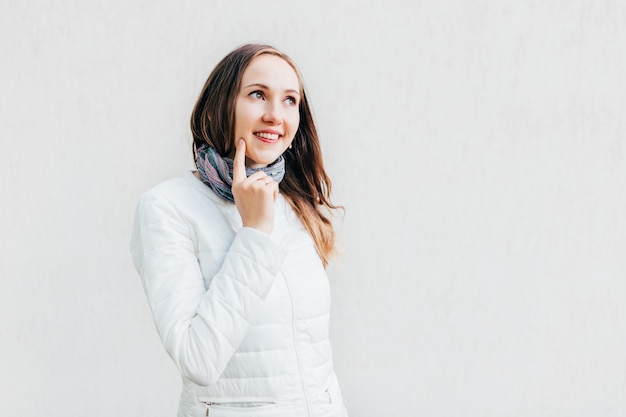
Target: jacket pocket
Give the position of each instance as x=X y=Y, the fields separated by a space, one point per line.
x=331 y=395
x=235 y=406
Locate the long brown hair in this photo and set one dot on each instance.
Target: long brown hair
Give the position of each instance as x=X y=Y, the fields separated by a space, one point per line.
x=306 y=184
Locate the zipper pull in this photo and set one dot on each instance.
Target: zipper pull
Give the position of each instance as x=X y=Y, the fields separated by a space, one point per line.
x=208 y=406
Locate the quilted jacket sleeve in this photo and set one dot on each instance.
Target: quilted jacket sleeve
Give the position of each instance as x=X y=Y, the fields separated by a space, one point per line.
x=200 y=329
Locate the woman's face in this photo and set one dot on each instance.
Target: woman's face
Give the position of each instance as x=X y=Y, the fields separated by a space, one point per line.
x=266 y=109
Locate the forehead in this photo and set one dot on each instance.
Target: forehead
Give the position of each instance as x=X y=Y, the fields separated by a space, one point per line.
x=272 y=71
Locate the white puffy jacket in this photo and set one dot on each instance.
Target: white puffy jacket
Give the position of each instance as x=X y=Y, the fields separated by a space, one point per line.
x=244 y=315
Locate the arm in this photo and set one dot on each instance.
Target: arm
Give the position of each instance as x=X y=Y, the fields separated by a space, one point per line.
x=200 y=328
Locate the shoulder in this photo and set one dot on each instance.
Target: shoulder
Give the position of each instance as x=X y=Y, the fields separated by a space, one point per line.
x=183 y=191
x=184 y=198
x=169 y=199
x=170 y=190
x=175 y=208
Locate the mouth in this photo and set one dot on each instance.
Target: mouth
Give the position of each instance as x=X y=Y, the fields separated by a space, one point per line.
x=268 y=137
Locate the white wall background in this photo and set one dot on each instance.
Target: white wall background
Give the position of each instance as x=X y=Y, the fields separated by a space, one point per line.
x=478 y=147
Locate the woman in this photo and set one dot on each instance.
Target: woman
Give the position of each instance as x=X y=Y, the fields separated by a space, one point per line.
x=232 y=256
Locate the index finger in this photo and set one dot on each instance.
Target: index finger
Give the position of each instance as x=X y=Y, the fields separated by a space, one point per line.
x=239 y=162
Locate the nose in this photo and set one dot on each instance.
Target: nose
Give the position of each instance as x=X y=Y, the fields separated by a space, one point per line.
x=273 y=113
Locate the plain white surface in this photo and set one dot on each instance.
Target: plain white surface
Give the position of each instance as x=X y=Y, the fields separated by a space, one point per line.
x=477 y=146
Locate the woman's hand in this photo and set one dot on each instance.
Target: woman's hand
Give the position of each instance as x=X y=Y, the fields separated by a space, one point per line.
x=254 y=195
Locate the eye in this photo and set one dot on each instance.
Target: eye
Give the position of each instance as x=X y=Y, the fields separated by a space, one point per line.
x=257 y=94
x=291 y=101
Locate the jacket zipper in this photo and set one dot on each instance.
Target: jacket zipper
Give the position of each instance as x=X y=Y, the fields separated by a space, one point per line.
x=295 y=347
x=209 y=404
x=330 y=397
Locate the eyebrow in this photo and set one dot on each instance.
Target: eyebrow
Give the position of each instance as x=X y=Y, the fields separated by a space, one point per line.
x=289 y=90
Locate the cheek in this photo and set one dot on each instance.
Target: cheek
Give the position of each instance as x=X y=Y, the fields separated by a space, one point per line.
x=237 y=117
x=294 y=122
x=242 y=115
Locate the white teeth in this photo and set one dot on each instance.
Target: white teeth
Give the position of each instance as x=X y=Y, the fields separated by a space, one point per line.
x=270 y=136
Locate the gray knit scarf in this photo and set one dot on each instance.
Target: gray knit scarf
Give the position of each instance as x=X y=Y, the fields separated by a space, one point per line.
x=217 y=171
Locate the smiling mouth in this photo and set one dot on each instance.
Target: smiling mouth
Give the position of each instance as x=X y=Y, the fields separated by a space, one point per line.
x=268 y=136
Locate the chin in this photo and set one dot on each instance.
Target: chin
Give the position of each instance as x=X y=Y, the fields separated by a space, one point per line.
x=263 y=159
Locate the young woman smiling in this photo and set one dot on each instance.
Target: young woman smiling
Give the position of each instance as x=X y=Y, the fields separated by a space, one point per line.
x=232 y=256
